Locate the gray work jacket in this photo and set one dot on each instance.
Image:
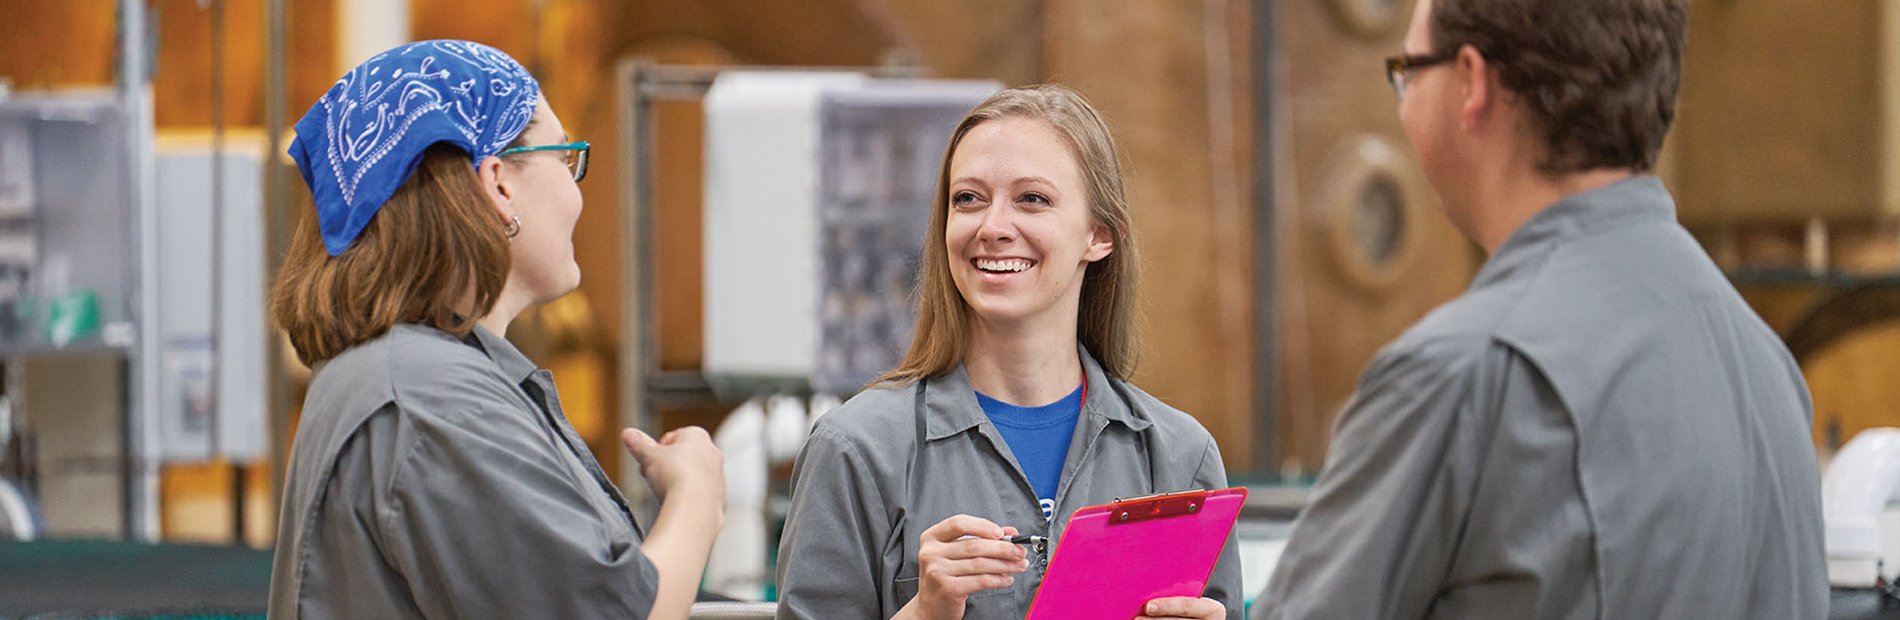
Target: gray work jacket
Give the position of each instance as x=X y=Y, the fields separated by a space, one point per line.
x=850 y=544
x=1598 y=428
x=436 y=477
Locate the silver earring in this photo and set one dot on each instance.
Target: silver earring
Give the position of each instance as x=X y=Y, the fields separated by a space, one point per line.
x=514 y=226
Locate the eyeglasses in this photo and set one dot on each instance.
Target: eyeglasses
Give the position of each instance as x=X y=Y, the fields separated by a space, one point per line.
x=575 y=156
x=1396 y=67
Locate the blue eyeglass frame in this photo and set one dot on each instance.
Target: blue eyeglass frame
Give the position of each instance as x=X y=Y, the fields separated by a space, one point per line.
x=578 y=167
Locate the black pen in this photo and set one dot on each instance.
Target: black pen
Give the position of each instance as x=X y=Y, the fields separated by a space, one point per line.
x=1019 y=539
x=1026 y=539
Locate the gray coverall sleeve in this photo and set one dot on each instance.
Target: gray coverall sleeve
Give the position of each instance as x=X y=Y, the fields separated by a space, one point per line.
x=1378 y=536
x=483 y=522
x=1224 y=584
x=831 y=557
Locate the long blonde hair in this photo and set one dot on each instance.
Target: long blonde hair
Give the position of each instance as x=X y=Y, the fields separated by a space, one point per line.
x=1106 y=315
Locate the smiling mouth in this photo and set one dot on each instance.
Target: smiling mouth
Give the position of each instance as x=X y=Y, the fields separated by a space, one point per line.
x=1002 y=265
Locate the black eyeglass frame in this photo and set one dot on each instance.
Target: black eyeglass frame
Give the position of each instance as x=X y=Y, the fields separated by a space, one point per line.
x=1397 y=67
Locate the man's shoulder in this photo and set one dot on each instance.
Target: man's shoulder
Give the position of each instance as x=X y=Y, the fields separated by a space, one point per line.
x=1462 y=327
x=1619 y=277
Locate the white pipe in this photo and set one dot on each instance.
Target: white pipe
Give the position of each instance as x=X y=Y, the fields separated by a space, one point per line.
x=737 y=565
x=821 y=404
x=757 y=435
x=785 y=429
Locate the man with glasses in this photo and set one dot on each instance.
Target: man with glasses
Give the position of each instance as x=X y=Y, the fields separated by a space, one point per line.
x=1599 y=427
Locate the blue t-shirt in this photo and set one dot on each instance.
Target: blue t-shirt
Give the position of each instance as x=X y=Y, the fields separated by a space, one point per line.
x=1039 y=437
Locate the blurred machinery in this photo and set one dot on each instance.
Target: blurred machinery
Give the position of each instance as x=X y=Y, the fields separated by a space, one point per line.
x=816 y=186
x=70 y=309
x=131 y=322
x=1858 y=493
x=818 y=190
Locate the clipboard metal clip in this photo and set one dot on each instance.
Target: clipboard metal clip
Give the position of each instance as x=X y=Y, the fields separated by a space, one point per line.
x=1158 y=506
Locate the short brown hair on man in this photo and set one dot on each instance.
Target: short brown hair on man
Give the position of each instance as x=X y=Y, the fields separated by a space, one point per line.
x=434 y=254
x=1598 y=77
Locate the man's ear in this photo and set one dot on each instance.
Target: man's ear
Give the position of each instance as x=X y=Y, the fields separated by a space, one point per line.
x=1480 y=88
x=500 y=192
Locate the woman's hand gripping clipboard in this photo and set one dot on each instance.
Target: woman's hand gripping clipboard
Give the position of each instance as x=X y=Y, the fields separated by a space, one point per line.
x=1114 y=558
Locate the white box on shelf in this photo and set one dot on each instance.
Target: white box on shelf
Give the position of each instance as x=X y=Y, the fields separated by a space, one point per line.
x=761 y=221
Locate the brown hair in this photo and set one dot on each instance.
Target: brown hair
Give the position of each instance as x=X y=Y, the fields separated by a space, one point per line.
x=1106 y=315
x=1598 y=77
x=434 y=254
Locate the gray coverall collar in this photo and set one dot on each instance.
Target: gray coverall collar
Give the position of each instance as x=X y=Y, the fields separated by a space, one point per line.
x=953 y=408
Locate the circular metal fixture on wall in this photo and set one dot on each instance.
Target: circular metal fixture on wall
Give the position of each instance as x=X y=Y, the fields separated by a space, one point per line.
x=1370 y=211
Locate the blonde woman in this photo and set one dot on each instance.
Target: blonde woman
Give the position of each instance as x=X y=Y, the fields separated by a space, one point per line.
x=1012 y=408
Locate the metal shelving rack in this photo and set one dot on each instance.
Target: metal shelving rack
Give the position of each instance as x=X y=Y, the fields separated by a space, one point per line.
x=88 y=156
x=644 y=388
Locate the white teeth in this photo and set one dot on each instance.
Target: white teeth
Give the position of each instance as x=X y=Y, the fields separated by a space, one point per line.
x=1010 y=265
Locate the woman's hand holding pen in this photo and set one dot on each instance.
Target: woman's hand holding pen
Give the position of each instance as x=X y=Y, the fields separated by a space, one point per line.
x=960 y=556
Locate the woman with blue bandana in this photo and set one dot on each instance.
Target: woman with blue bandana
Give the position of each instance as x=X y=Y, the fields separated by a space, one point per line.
x=434 y=473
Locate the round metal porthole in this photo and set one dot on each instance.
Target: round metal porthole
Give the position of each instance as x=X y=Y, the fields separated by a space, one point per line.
x=1370 y=208
x=1378 y=221
x=1371 y=19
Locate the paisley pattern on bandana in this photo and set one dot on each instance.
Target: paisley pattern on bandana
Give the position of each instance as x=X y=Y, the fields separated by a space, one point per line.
x=366 y=135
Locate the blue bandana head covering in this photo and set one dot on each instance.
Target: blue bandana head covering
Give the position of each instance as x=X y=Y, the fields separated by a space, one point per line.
x=366 y=135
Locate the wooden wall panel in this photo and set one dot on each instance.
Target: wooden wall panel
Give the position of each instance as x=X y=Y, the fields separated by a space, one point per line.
x=1852 y=384
x=72 y=44
x=1336 y=312
x=1180 y=108
x=310 y=53
x=1782 y=113
x=980 y=39
x=679 y=235
x=182 y=89
x=196 y=504
x=57 y=43
x=511 y=26
x=817 y=32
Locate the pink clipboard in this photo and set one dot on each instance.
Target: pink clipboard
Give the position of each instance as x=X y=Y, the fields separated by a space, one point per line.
x=1115 y=558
